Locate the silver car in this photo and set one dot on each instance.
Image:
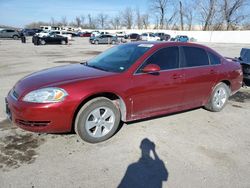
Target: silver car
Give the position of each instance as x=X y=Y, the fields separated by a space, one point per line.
x=9 y=33
x=103 y=39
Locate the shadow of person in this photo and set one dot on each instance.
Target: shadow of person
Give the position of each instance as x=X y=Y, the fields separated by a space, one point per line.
x=147 y=172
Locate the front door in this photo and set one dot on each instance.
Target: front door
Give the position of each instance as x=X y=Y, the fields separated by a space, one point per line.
x=153 y=93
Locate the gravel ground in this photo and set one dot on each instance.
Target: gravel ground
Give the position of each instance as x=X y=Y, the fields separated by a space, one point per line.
x=195 y=148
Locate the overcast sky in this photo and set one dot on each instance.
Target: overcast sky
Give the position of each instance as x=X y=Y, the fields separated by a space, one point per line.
x=22 y=12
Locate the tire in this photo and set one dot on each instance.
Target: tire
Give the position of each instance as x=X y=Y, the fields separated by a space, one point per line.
x=63 y=42
x=15 y=37
x=218 y=98
x=96 y=42
x=42 y=42
x=113 y=42
x=91 y=123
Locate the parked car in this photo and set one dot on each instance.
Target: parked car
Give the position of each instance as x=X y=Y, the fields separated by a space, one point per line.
x=125 y=83
x=42 y=33
x=245 y=63
x=134 y=36
x=50 y=39
x=95 y=33
x=163 y=36
x=121 y=34
x=73 y=34
x=181 y=38
x=30 y=32
x=85 y=34
x=61 y=33
x=103 y=39
x=149 y=37
x=9 y=33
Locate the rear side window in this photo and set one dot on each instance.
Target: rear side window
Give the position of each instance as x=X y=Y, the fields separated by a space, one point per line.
x=193 y=57
x=166 y=58
x=214 y=59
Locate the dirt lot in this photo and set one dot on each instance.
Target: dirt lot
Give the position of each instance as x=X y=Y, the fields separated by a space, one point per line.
x=196 y=148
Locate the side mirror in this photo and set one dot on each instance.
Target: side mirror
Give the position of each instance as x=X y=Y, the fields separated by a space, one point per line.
x=151 y=68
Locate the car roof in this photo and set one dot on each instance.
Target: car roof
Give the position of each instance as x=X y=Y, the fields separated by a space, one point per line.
x=159 y=44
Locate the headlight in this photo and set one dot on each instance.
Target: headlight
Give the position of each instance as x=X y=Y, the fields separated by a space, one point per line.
x=46 y=95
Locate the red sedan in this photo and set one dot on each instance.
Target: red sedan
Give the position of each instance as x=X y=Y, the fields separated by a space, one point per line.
x=86 y=34
x=125 y=83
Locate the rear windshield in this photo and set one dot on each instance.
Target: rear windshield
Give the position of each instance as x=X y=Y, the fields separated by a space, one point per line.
x=119 y=58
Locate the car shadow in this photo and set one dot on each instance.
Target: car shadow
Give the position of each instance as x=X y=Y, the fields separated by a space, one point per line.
x=148 y=171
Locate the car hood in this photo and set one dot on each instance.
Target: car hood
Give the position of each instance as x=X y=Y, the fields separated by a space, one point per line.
x=57 y=76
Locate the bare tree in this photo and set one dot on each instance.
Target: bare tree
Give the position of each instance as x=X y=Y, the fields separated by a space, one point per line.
x=36 y=24
x=138 y=19
x=64 y=21
x=189 y=16
x=102 y=20
x=156 y=22
x=116 y=22
x=52 y=21
x=181 y=16
x=127 y=18
x=160 y=6
x=91 y=22
x=145 y=21
x=207 y=10
x=78 y=21
x=82 y=17
x=171 y=22
x=233 y=13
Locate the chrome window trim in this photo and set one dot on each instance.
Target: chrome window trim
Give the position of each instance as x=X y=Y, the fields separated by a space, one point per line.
x=179 y=68
x=135 y=72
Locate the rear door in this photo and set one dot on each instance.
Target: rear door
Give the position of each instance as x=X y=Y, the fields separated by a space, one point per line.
x=153 y=93
x=199 y=75
x=103 y=39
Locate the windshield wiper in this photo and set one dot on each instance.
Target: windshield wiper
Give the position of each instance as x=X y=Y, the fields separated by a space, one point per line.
x=96 y=67
x=93 y=66
x=84 y=63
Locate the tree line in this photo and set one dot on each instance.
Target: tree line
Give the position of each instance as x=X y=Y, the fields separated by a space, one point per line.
x=167 y=14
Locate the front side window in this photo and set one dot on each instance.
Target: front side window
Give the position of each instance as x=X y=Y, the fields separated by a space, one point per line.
x=119 y=58
x=166 y=58
x=194 y=57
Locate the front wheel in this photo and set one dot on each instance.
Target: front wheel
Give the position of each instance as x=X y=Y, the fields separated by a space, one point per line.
x=96 y=42
x=97 y=120
x=42 y=42
x=218 y=98
x=63 y=42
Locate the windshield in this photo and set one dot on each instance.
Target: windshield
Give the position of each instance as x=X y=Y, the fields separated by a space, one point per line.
x=119 y=58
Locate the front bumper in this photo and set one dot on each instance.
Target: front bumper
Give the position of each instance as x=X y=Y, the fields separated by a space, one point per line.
x=37 y=117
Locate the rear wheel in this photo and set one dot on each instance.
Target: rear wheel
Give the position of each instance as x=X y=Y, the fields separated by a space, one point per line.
x=63 y=42
x=97 y=120
x=218 y=98
x=15 y=37
x=96 y=42
x=113 y=42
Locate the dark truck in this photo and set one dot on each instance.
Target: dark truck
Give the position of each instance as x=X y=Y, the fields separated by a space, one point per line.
x=245 y=63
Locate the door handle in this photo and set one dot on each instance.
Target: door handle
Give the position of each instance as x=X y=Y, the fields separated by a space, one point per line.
x=177 y=76
x=212 y=71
